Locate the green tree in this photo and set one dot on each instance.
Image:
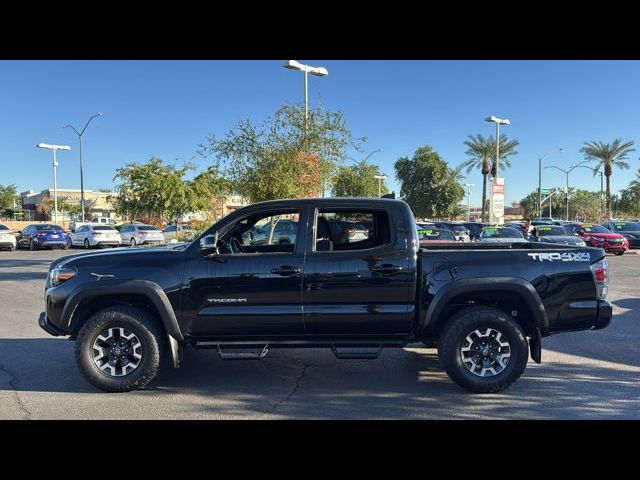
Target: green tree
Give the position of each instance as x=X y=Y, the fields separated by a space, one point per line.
x=358 y=181
x=481 y=151
x=583 y=204
x=68 y=207
x=628 y=203
x=155 y=189
x=8 y=196
x=428 y=185
x=608 y=155
x=285 y=157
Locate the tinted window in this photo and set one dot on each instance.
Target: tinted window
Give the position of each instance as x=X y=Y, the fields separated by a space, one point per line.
x=435 y=234
x=147 y=228
x=170 y=229
x=352 y=230
x=501 y=233
x=2 y=227
x=103 y=227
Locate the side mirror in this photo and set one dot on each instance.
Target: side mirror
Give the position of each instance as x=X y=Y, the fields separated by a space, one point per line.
x=209 y=243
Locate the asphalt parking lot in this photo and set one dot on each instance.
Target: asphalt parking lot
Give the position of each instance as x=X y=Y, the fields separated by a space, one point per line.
x=584 y=375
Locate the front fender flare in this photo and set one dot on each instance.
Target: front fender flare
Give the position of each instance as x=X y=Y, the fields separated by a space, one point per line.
x=102 y=288
x=515 y=285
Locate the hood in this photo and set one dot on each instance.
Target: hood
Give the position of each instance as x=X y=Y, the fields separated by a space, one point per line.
x=568 y=239
x=503 y=240
x=612 y=236
x=119 y=256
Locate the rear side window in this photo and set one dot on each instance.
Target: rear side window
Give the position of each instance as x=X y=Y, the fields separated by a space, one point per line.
x=339 y=230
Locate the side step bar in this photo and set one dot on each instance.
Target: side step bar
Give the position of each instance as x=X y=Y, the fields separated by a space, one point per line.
x=249 y=353
x=364 y=353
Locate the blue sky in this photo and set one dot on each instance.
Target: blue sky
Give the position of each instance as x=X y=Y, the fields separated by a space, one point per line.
x=166 y=108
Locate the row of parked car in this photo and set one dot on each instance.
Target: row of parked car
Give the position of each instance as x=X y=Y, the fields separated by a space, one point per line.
x=614 y=237
x=89 y=235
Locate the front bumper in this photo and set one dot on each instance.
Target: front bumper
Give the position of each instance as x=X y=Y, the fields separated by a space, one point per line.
x=608 y=247
x=634 y=242
x=47 y=326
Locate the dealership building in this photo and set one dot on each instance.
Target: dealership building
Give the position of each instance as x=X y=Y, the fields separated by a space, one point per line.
x=96 y=203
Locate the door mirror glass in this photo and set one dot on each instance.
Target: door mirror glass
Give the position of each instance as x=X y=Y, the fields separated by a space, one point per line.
x=209 y=243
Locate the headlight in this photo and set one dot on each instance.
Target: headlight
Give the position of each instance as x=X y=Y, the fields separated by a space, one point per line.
x=581 y=244
x=60 y=275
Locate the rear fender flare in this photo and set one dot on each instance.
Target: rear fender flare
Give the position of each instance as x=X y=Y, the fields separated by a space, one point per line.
x=516 y=285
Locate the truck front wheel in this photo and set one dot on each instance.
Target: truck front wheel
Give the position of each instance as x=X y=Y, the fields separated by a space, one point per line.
x=483 y=349
x=120 y=348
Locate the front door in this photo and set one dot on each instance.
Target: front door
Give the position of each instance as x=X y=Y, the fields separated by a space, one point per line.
x=253 y=286
x=357 y=280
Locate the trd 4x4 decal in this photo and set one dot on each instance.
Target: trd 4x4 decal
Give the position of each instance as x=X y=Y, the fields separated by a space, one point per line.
x=563 y=257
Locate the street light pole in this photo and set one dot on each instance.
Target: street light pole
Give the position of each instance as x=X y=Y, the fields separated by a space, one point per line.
x=380 y=178
x=81 y=173
x=559 y=150
x=498 y=122
x=469 y=185
x=55 y=174
x=567 y=172
x=317 y=71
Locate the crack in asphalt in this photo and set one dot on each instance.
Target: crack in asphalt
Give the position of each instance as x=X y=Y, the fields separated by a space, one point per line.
x=13 y=384
x=293 y=391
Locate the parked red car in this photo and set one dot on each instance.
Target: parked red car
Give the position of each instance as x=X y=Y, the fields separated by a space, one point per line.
x=599 y=236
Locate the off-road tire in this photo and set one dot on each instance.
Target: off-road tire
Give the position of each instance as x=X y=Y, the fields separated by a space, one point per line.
x=453 y=336
x=144 y=325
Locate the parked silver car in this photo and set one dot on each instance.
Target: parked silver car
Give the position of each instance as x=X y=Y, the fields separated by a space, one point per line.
x=140 y=234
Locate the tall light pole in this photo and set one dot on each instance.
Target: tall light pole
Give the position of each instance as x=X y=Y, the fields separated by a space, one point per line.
x=469 y=185
x=497 y=196
x=559 y=150
x=380 y=178
x=317 y=71
x=567 y=172
x=81 y=175
x=55 y=174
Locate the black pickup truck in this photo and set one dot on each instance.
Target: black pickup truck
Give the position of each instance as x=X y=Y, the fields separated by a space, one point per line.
x=349 y=275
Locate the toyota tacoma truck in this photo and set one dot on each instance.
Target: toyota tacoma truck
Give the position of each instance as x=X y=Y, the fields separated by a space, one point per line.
x=485 y=306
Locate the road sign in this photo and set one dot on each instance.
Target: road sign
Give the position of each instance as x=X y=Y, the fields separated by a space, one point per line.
x=496 y=209
x=545 y=191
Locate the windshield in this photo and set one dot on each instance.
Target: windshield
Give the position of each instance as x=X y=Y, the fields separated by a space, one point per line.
x=501 y=233
x=545 y=231
x=589 y=228
x=435 y=234
x=3 y=227
x=627 y=226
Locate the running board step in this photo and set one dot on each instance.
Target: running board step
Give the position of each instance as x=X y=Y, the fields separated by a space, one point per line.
x=249 y=353
x=361 y=353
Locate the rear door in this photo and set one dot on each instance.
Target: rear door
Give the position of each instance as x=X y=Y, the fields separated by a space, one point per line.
x=355 y=285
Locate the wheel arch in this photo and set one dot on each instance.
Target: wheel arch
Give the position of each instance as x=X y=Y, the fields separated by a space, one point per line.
x=142 y=293
x=501 y=292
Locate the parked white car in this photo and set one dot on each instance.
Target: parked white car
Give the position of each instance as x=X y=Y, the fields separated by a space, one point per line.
x=140 y=234
x=7 y=238
x=95 y=235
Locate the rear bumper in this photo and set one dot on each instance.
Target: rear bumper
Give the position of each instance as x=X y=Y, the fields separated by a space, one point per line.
x=605 y=314
x=46 y=325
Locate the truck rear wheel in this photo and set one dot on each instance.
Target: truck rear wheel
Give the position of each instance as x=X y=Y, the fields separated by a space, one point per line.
x=120 y=348
x=483 y=349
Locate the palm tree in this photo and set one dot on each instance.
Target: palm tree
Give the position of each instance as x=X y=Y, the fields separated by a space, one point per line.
x=481 y=151
x=608 y=155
